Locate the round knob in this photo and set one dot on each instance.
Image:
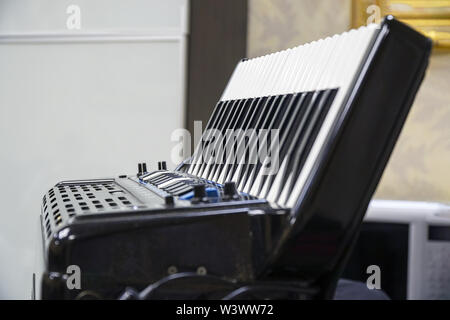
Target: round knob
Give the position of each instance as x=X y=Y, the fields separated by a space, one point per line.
x=230 y=190
x=169 y=200
x=199 y=191
x=140 y=169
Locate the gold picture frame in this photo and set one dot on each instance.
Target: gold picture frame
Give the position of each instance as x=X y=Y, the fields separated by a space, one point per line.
x=431 y=17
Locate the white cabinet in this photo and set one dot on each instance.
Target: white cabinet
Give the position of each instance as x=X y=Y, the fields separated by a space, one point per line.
x=81 y=103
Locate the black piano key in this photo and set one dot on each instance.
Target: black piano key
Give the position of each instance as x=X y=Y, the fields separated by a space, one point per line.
x=256 y=118
x=164 y=177
x=217 y=170
x=279 y=124
x=302 y=153
x=211 y=122
x=214 y=145
x=304 y=141
x=294 y=138
x=162 y=180
x=226 y=107
x=275 y=122
x=244 y=125
x=296 y=113
x=248 y=168
x=183 y=191
x=206 y=139
x=179 y=189
x=279 y=108
x=175 y=186
x=231 y=124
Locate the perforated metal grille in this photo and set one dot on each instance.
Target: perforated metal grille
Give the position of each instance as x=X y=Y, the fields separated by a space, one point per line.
x=66 y=200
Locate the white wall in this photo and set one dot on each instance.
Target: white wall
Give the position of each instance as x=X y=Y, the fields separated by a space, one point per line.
x=80 y=104
x=50 y=15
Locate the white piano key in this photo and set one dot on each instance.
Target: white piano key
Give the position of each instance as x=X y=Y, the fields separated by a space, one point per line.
x=256 y=81
x=323 y=64
x=327 y=47
x=360 y=44
x=172 y=182
x=236 y=74
x=327 y=81
x=254 y=182
x=157 y=174
x=296 y=60
x=233 y=92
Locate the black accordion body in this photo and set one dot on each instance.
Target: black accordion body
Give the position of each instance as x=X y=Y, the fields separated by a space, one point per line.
x=231 y=228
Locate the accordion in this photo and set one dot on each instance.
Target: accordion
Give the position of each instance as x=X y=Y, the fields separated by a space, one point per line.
x=271 y=201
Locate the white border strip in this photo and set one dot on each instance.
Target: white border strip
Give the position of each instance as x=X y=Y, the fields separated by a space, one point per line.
x=66 y=37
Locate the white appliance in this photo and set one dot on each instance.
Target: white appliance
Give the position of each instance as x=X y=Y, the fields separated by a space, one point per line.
x=410 y=242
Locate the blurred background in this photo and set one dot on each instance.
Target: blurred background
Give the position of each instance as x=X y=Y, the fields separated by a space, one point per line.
x=89 y=88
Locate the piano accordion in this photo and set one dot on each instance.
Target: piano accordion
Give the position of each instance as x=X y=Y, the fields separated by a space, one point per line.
x=221 y=226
